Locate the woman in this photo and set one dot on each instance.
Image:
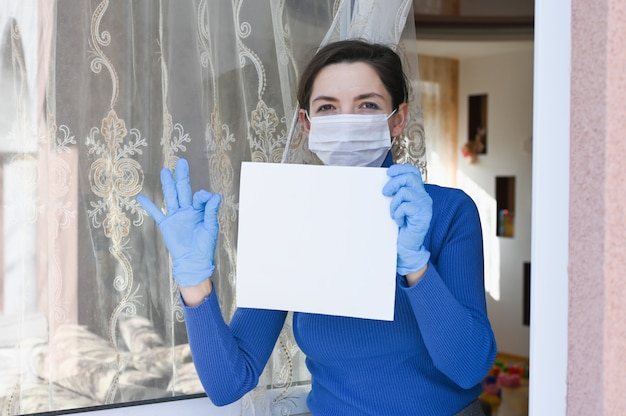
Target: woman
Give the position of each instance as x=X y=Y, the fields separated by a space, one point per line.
x=432 y=358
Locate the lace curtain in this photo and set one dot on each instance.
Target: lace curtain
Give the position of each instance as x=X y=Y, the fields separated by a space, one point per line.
x=97 y=97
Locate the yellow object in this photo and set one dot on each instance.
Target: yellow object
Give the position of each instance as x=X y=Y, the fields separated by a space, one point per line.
x=494 y=401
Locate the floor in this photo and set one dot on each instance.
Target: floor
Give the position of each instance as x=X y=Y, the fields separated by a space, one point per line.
x=514 y=402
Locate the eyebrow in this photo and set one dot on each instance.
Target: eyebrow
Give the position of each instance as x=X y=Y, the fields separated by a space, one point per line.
x=324 y=98
x=359 y=97
x=371 y=95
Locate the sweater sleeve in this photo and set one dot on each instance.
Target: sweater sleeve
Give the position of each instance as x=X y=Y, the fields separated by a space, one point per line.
x=229 y=359
x=449 y=301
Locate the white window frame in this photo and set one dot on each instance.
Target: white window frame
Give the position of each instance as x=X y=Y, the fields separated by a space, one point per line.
x=548 y=338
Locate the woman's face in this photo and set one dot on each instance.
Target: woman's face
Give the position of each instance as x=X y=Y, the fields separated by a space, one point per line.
x=352 y=88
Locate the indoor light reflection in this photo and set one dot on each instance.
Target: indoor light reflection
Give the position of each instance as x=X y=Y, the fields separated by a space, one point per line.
x=487 y=209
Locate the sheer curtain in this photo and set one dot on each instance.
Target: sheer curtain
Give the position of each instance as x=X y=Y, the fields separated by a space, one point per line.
x=97 y=97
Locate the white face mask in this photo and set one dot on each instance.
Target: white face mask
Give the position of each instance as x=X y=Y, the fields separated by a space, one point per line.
x=350 y=139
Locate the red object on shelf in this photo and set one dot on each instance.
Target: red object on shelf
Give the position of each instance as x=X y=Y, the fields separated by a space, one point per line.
x=509 y=380
x=514 y=369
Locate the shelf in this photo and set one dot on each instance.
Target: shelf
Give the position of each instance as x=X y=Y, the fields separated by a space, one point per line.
x=449 y=27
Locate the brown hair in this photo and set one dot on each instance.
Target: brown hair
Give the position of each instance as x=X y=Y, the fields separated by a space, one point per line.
x=382 y=59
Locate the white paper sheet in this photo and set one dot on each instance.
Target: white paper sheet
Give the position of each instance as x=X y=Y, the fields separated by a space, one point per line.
x=316 y=239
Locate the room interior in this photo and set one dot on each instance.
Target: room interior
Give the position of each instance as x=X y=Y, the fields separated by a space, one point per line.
x=482 y=50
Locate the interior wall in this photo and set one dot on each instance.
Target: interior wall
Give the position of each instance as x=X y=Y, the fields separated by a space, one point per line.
x=507 y=79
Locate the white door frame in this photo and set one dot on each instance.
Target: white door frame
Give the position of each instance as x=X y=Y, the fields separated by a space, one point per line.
x=550 y=208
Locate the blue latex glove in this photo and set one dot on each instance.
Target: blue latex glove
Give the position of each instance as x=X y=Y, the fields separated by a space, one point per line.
x=412 y=209
x=190 y=228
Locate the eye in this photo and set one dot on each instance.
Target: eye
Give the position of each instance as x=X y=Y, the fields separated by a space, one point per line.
x=369 y=105
x=324 y=108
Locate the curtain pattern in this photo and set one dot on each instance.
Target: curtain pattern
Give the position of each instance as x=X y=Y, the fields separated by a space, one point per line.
x=98 y=97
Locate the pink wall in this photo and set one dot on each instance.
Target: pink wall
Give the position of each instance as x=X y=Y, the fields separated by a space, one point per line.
x=597 y=267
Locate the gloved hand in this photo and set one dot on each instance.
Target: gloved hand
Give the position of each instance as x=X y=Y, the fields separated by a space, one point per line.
x=190 y=228
x=412 y=210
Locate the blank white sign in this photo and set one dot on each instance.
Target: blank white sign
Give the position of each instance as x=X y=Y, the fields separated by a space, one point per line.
x=316 y=239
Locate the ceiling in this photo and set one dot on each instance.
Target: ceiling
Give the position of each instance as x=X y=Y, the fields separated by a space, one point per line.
x=498 y=28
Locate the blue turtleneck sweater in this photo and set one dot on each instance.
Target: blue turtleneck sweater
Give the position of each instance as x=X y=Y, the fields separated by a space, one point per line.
x=430 y=360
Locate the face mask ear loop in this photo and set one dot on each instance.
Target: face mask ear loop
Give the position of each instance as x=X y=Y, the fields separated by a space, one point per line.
x=393 y=139
x=392 y=113
x=292 y=128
